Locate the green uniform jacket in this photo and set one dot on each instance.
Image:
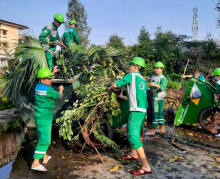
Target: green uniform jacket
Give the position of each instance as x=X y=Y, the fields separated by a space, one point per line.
x=137 y=91
x=200 y=78
x=70 y=37
x=162 y=81
x=44 y=100
x=49 y=33
x=217 y=86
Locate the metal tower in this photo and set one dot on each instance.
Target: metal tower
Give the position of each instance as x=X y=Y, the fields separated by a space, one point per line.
x=195 y=27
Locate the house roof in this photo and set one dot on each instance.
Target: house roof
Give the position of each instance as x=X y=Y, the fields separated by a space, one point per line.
x=19 y=26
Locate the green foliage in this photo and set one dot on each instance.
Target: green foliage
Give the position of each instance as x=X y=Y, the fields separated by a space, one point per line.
x=174 y=51
x=16 y=122
x=29 y=58
x=144 y=46
x=5 y=103
x=95 y=102
x=72 y=61
x=144 y=36
x=148 y=70
x=105 y=140
x=116 y=42
x=6 y=126
x=76 y=11
x=12 y=124
x=174 y=81
x=217 y=8
x=175 y=77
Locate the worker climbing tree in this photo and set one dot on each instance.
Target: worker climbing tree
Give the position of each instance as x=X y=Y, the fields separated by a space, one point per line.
x=49 y=37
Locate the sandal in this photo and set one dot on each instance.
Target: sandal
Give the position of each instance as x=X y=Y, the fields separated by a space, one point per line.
x=157 y=131
x=39 y=168
x=149 y=134
x=137 y=172
x=49 y=157
x=129 y=157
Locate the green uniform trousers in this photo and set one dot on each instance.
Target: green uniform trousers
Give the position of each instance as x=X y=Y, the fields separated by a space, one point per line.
x=135 y=124
x=49 y=57
x=158 y=109
x=43 y=128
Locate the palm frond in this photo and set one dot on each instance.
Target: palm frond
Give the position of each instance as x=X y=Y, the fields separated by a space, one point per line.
x=29 y=57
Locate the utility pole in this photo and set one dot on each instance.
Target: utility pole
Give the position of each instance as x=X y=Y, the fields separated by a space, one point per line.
x=195 y=27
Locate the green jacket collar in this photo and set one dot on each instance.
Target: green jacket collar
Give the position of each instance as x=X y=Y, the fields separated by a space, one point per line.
x=137 y=72
x=54 y=27
x=159 y=75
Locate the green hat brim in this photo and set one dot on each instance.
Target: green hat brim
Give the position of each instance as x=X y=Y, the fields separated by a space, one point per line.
x=50 y=77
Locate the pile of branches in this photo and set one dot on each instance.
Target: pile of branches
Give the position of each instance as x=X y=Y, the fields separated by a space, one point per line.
x=100 y=68
x=79 y=58
x=173 y=98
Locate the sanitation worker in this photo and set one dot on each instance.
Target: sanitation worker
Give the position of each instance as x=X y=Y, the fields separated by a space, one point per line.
x=158 y=84
x=70 y=35
x=49 y=35
x=195 y=75
x=217 y=84
x=137 y=97
x=43 y=109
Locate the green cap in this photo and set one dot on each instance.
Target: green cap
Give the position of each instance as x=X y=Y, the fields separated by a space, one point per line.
x=59 y=17
x=138 y=61
x=217 y=72
x=159 y=65
x=44 y=73
x=72 y=22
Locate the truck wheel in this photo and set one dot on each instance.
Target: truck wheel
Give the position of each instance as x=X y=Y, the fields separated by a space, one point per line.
x=104 y=128
x=209 y=120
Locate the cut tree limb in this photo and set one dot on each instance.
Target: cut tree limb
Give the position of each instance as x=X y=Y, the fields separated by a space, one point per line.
x=179 y=146
x=183 y=75
x=100 y=94
x=91 y=144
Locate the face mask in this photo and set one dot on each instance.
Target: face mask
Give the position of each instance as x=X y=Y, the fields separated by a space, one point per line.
x=216 y=79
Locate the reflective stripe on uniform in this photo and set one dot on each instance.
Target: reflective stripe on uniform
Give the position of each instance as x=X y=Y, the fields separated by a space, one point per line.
x=42 y=93
x=68 y=31
x=37 y=152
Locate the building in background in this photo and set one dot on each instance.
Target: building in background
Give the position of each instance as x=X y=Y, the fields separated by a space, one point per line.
x=10 y=35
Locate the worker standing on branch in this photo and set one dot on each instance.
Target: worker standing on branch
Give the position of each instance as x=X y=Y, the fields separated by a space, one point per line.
x=70 y=35
x=137 y=97
x=49 y=35
x=158 y=83
x=43 y=110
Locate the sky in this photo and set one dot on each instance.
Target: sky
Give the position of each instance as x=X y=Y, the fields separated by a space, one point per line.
x=124 y=18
